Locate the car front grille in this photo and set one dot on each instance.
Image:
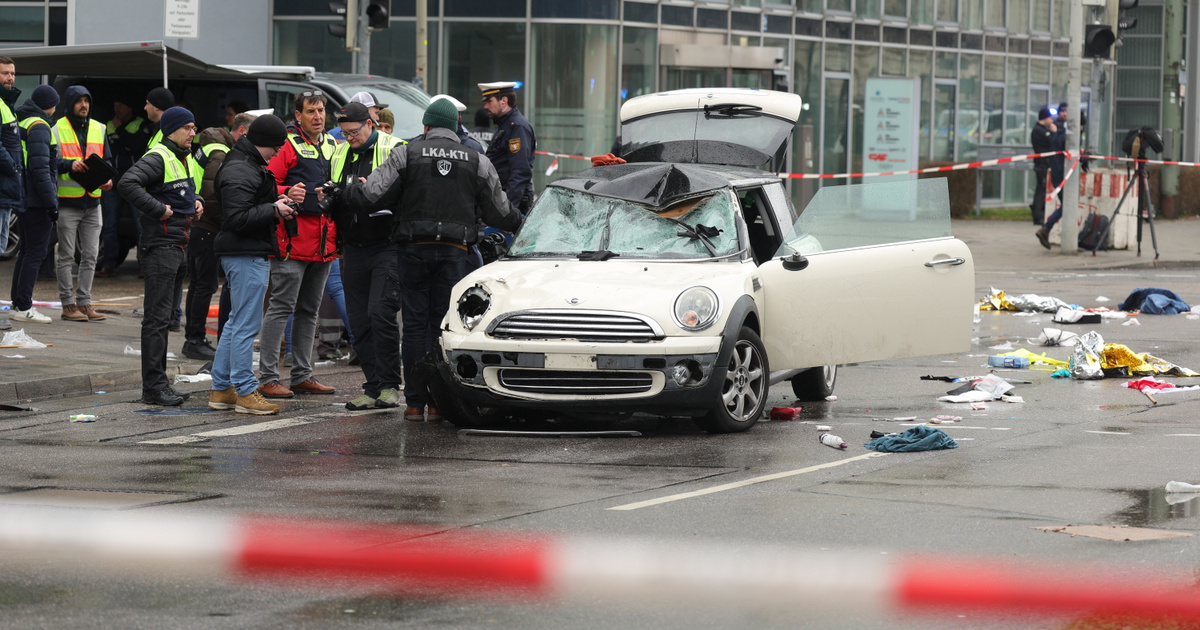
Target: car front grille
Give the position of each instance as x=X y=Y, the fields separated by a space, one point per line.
x=609 y=326
x=576 y=383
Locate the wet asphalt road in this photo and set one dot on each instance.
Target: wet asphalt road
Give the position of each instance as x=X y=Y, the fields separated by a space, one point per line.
x=1074 y=452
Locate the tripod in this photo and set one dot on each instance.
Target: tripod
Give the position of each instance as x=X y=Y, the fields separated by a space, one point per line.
x=1145 y=209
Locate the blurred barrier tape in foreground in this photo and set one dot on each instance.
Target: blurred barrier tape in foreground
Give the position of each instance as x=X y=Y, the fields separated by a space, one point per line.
x=480 y=564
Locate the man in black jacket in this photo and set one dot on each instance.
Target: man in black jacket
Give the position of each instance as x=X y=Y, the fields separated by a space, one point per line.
x=35 y=223
x=251 y=207
x=442 y=190
x=163 y=186
x=1042 y=139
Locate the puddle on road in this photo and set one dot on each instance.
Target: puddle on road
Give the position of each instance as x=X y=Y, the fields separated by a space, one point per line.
x=1152 y=506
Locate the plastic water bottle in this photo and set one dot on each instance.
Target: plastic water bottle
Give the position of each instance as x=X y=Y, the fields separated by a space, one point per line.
x=833 y=441
x=1000 y=361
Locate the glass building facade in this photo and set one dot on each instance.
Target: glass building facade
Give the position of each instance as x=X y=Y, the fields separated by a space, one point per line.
x=984 y=67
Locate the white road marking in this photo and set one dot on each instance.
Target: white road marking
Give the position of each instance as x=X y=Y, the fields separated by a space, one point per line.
x=1109 y=432
x=281 y=423
x=1183 y=435
x=741 y=484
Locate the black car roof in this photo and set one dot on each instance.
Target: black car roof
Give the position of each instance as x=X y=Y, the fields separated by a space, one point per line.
x=658 y=185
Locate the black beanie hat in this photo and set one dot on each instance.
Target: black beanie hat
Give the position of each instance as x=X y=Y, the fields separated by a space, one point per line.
x=267 y=131
x=161 y=98
x=44 y=97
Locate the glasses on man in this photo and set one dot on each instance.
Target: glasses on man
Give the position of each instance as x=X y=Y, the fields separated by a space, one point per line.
x=351 y=134
x=312 y=93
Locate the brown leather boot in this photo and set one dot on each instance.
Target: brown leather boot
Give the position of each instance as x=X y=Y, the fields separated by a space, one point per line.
x=92 y=314
x=72 y=313
x=1043 y=237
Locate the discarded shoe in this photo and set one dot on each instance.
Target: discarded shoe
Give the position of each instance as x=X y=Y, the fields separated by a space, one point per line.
x=311 y=386
x=275 y=389
x=222 y=398
x=388 y=399
x=255 y=404
x=360 y=403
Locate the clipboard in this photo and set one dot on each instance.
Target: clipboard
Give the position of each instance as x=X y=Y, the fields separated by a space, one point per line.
x=98 y=172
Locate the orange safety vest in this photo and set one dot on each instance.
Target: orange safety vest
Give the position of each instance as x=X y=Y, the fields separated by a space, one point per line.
x=68 y=146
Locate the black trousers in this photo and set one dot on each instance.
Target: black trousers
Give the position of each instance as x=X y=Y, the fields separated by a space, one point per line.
x=203 y=265
x=165 y=267
x=1039 y=194
x=372 y=289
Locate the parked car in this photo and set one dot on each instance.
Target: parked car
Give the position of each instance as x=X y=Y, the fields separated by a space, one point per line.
x=684 y=283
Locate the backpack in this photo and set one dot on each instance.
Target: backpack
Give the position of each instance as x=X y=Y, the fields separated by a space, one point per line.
x=1095 y=227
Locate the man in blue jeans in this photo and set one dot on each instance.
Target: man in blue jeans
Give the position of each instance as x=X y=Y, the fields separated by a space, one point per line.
x=251 y=208
x=441 y=190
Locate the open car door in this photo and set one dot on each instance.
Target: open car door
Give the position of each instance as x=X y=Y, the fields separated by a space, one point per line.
x=869 y=272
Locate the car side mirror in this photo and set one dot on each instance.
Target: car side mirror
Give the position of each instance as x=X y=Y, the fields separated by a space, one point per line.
x=795 y=262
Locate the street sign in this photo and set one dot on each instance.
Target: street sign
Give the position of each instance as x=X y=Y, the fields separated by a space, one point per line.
x=182 y=19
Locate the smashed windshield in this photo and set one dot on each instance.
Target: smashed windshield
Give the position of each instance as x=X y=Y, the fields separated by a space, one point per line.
x=568 y=223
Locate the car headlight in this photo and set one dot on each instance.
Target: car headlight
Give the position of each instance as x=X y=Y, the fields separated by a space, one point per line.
x=472 y=306
x=697 y=308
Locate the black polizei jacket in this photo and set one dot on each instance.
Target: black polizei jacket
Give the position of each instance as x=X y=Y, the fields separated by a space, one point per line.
x=247 y=193
x=441 y=188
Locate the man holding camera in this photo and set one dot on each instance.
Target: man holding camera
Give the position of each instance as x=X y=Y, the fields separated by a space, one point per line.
x=307 y=247
x=163 y=185
x=368 y=261
x=251 y=207
x=441 y=190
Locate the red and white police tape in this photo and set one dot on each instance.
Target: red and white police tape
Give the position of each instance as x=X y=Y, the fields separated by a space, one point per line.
x=558 y=569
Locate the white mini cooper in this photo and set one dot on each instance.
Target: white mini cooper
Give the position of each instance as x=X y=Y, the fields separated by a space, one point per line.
x=684 y=283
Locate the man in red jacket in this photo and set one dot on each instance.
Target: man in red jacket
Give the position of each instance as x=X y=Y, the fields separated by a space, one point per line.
x=307 y=247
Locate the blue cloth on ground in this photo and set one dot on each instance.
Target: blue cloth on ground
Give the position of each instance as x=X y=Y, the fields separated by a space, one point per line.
x=1153 y=301
x=918 y=438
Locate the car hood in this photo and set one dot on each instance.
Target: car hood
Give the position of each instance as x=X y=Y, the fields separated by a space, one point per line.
x=647 y=288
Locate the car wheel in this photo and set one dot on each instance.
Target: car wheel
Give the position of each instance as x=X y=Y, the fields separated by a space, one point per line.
x=744 y=392
x=815 y=383
x=426 y=376
x=14 y=239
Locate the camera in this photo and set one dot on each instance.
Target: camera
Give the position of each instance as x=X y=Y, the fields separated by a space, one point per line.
x=1138 y=140
x=333 y=192
x=289 y=225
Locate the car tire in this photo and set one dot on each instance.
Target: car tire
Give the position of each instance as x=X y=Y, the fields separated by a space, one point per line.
x=744 y=393
x=815 y=384
x=14 y=239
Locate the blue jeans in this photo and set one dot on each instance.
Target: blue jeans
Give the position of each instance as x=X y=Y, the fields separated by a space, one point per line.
x=427 y=274
x=246 y=277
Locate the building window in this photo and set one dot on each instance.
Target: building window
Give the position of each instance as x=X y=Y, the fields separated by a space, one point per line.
x=676 y=16
x=1041 y=17
x=393 y=55
x=712 y=18
x=483 y=53
x=590 y=10
x=639 y=61
x=895 y=8
x=641 y=12
x=947 y=10
x=484 y=8
x=993 y=15
x=747 y=22
x=23 y=24
x=572 y=90
x=892 y=63
x=308 y=43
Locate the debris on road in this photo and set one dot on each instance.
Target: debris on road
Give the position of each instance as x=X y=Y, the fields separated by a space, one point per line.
x=1069 y=315
x=1153 y=301
x=19 y=339
x=1149 y=383
x=1179 y=486
x=1031 y=358
x=785 y=413
x=918 y=438
x=833 y=441
x=1028 y=302
x=83 y=417
x=1114 y=533
x=1055 y=337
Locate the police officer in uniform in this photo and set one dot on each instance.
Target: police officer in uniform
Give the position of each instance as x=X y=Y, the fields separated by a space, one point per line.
x=513 y=143
x=441 y=189
x=1042 y=139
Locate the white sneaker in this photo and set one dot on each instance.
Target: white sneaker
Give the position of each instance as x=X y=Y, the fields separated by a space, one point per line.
x=32 y=316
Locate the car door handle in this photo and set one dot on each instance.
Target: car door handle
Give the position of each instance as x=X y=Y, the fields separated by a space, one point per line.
x=946 y=261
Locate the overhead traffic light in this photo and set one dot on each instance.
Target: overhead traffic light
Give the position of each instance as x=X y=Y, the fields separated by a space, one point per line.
x=348 y=29
x=379 y=13
x=1098 y=40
